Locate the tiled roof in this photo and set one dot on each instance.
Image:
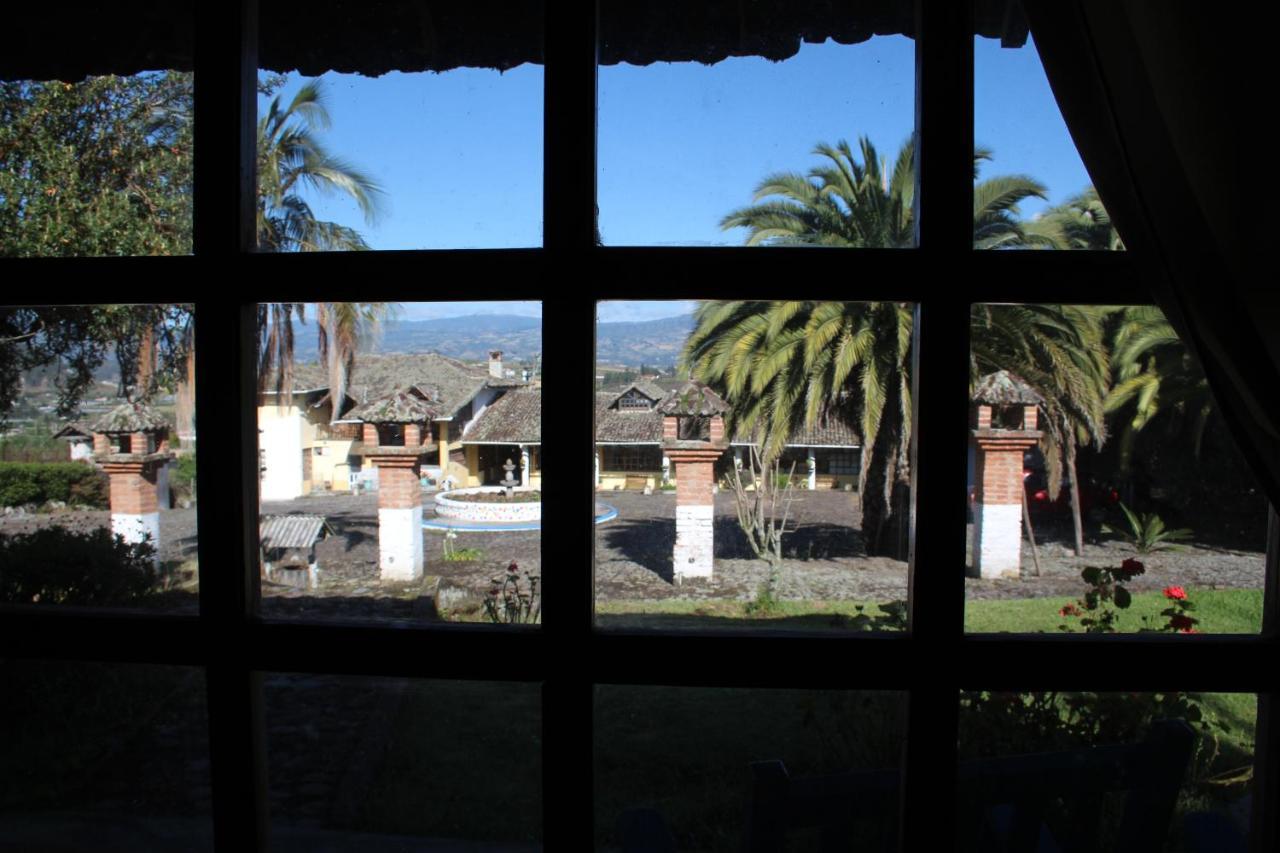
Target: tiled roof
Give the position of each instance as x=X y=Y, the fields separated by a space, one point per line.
x=405 y=406
x=692 y=398
x=514 y=418
x=1003 y=388
x=826 y=433
x=291 y=531
x=615 y=425
x=73 y=429
x=646 y=387
x=131 y=417
x=449 y=383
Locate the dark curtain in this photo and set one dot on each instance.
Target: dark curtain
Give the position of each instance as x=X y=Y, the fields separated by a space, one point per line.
x=1166 y=103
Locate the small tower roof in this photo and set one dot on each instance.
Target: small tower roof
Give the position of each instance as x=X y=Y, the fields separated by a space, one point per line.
x=1003 y=388
x=405 y=406
x=692 y=398
x=131 y=417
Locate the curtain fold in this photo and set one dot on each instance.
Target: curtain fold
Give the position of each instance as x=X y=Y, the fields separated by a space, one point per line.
x=1155 y=97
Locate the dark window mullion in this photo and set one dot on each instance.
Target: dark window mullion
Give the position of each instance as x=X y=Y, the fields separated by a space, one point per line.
x=944 y=205
x=569 y=230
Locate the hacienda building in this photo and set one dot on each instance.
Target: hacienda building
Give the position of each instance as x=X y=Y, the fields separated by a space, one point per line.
x=629 y=445
x=480 y=416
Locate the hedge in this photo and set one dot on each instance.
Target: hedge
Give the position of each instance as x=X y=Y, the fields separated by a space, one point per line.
x=38 y=482
x=54 y=565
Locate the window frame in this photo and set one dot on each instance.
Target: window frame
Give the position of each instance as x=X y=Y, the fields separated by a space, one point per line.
x=931 y=662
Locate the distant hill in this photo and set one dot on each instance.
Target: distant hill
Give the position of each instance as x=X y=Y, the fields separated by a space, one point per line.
x=468 y=338
x=652 y=342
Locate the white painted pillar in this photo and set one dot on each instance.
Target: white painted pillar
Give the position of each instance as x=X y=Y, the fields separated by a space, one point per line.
x=524 y=466
x=812 y=469
x=737 y=458
x=997 y=539
x=666 y=469
x=596 y=465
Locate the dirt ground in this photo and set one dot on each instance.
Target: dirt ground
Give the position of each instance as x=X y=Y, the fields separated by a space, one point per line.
x=825 y=559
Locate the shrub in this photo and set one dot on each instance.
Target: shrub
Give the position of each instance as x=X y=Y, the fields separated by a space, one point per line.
x=1146 y=532
x=182 y=477
x=38 y=482
x=56 y=565
x=514 y=598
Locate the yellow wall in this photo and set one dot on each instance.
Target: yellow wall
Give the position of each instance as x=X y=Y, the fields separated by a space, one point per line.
x=473 y=465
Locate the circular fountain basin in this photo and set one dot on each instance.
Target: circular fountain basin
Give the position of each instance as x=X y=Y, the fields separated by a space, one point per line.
x=499 y=512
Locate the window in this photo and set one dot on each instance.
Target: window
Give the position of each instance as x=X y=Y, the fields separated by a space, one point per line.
x=942 y=277
x=623 y=458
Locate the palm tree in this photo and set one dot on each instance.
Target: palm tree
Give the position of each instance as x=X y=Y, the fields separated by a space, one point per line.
x=292 y=160
x=341 y=328
x=783 y=364
x=844 y=202
x=1078 y=223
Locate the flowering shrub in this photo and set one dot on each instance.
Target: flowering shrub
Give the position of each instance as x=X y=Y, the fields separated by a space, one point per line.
x=1179 y=622
x=1106 y=596
x=513 y=598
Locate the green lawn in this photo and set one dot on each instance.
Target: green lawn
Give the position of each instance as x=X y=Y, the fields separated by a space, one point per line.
x=1220 y=611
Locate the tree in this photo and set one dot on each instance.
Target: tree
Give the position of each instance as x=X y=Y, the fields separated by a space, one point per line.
x=99 y=167
x=782 y=365
x=291 y=161
x=1080 y=222
x=341 y=328
x=77 y=340
x=844 y=202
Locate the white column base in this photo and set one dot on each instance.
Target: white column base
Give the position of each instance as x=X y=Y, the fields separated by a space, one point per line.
x=400 y=544
x=695 y=541
x=997 y=540
x=135 y=528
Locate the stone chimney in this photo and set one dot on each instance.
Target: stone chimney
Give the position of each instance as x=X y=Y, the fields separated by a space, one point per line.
x=495 y=365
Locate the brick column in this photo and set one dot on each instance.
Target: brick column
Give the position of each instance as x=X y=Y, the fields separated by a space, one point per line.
x=135 y=511
x=997 y=511
x=400 y=555
x=695 y=511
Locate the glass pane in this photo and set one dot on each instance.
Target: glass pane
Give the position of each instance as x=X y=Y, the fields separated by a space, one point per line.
x=104 y=757
x=412 y=497
x=443 y=152
x=722 y=504
x=697 y=764
x=100 y=166
x=1032 y=189
x=706 y=138
x=97 y=458
x=1061 y=766
x=1105 y=491
x=382 y=763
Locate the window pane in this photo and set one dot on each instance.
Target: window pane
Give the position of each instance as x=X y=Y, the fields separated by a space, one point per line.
x=684 y=761
x=1098 y=417
x=394 y=503
x=1063 y=762
x=443 y=152
x=704 y=142
x=97 y=459
x=99 y=166
x=692 y=473
x=103 y=756
x=363 y=763
x=1032 y=189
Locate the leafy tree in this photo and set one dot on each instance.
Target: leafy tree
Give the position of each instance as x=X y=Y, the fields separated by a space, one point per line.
x=782 y=365
x=292 y=160
x=99 y=167
x=1078 y=223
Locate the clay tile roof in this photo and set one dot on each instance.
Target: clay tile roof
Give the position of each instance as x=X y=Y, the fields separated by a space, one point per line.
x=830 y=432
x=450 y=384
x=646 y=387
x=514 y=418
x=73 y=429
x=623 y=426
x=131 y=417
x=1003 y=388
x=692 y=398
x=405 y=406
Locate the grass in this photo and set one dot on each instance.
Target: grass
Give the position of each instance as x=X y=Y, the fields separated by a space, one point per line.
x=1220 y=611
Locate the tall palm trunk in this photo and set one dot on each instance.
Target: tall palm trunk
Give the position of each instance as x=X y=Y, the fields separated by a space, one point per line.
x=886 y=482
x=1072 y=469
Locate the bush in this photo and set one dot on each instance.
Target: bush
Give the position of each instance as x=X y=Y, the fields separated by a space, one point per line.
x=56 y=565
x=182 y=478
x=38 y=482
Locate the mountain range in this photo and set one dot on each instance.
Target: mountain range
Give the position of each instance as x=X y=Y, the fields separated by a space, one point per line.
x=470 y=338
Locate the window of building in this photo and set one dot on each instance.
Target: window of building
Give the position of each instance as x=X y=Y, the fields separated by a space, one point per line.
x=624 y=458
x=942 y=277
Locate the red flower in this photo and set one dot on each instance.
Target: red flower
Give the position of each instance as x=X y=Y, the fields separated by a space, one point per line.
x=1069 y=610
x=513 y=568
x=1175 y=592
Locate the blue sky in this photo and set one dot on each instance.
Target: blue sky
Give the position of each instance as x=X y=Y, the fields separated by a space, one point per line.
x=680 y=144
